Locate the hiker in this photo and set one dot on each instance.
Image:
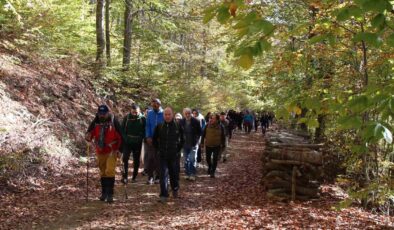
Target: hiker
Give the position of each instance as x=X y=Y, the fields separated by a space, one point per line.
x=256 y=122
x=105 y=132
x=154 y=118
x=201 y=119
x=248 y=121
x=226 y=125
x=168 y=139
x=232 y=118
x=213 y=138
x=133 y=127
x=192 y=133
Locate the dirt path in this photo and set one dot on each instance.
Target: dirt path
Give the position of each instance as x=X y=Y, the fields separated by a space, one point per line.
x=232 y=200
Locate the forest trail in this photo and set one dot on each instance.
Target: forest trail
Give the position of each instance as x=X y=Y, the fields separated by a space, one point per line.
x=233 y=200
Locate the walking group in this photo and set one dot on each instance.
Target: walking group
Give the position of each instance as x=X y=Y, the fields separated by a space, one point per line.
x=164 y=136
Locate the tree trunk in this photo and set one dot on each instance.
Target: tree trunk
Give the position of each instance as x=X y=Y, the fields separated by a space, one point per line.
x=100 y=31
x=128 y=18
x=107 y=32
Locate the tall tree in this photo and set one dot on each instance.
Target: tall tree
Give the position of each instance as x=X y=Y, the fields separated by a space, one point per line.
x=100 y=31
x=128 y=30
x=107 y=31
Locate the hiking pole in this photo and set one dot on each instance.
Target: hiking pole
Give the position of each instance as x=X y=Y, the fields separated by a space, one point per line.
x=87 y=171
x=125 y=182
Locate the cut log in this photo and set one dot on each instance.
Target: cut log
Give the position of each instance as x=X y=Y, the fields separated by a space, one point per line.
x=300 y=190
x=297 y=145
x=312 y=157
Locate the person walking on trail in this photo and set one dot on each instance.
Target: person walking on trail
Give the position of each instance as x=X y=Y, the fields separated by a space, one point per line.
x=192 y=133
x=226 y=125
x=154 y=118
x=248 y=121
x=213 y=138
x=256 y=122
x=168 y=139
x=232 y=118
x=105 y=132
x=133 y=127
x=201 y=119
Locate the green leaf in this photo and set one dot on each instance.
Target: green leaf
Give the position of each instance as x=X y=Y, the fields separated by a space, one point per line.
x=353 y=122
x=209 y=14
x=313 y=123
x=223 y=14
x=390 y=40
x=302 y=120
x=262 y=25
x=376 y=5
x=359 y=104
x=343 y=14
x=370 y=38
x=246 y=61
x=312 y=103
x=378 y=20
x=318 y=38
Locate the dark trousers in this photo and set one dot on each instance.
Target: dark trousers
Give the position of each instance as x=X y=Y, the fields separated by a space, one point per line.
x=169 y=169
x=199 y=154
x=136 y=150
x=153 y=163
x=212 y=152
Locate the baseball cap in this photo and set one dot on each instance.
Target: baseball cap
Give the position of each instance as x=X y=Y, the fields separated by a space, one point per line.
x=103 y=109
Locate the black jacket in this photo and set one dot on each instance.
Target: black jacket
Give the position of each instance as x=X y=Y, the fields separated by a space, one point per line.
x=196 y=129
x=168 y=139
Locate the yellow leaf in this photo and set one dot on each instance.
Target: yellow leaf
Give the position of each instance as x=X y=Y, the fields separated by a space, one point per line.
x=245 y=61
x=297 y=110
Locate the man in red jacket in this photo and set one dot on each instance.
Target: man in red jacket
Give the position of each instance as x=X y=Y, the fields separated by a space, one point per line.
x=106 y=134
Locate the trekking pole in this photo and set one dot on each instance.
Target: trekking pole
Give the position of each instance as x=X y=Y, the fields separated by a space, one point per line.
x=87 y=171
x=124 y=184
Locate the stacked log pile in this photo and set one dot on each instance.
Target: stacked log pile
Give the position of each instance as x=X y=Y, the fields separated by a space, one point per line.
x=292 y=167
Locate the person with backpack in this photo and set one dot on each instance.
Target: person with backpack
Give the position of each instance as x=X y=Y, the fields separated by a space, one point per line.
x=248 y=121
x=153 y=119
x=168 y=139
x=133 y=127
x=192 y=133
x=201 y=119
x=213 y=138
x=226 y=125
x=106 y=133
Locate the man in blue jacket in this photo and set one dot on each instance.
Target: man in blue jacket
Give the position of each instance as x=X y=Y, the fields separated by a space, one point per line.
x=154 y=118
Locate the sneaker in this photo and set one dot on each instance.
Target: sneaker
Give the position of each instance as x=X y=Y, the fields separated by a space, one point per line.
x=192 y=178
x=150 y=181
x=124 y=180
x=157 y=180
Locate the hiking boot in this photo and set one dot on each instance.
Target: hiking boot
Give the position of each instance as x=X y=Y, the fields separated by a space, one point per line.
x=157 y=180
x=150 y=181
x=192 y=178
x=163 y=199
x=110 y=189
x=212 y=175
x=133 y=180
x=175 y=194
x=103 y=189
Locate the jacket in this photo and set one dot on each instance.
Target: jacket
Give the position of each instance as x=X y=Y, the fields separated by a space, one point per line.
x=133 y=128
x=168 y=139
x=196 y=129
x=153 y=119
x=107 y=135
x=222 y=135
